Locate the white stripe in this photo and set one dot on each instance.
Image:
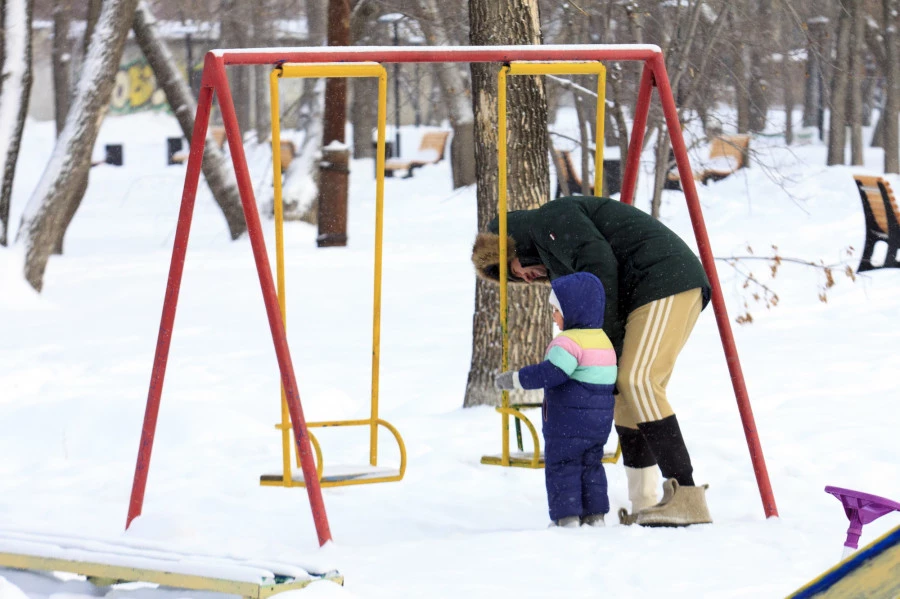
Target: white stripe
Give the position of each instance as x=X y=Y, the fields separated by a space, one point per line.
x=642 y=417
x=662 y=329
x=648 y=350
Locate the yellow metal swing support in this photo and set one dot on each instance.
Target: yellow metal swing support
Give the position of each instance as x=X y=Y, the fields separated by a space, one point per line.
x=535 y=459
x=286 y=478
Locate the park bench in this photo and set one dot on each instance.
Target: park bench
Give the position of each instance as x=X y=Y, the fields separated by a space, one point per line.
x=881 y=214
x=565 y=170
x=727 y=154
x=431 y=151
x=178 y=156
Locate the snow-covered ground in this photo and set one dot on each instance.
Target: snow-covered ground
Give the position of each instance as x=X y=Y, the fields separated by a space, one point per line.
x=75 y=364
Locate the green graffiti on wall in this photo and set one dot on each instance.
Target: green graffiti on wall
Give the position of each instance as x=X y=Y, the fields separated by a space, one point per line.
x=136 y=89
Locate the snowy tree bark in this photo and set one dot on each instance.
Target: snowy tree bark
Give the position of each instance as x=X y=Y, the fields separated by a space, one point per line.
x=453 y=85
x=62 y=62
x=80 y=187
x=42 y=224
x=494 y=22
x=301 y=181
x=216 y=169
x=364 y=111
x=15 y=87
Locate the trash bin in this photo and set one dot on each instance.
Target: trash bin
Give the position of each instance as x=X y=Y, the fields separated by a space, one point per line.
x=612 y=176
x=388 y=153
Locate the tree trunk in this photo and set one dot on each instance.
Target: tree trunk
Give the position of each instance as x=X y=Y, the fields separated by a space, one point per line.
x=837 y=123
x=80 y=186
x=218 y=173
x=15 y=87
x=814 y=89
x=332 y=216
x=262 y=30
x=784 y=29
x=456 y=95
x=494 y=22
x=364 y=108
x=234 y=26
x=890 y=10
x=854 y=82
x=62 y=61
x=301 y=181
x=71 y=158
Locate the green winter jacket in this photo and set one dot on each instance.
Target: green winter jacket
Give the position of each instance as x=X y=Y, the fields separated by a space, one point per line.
x=637 y=258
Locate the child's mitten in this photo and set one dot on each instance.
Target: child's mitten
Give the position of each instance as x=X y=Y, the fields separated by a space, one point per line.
x=507 y=381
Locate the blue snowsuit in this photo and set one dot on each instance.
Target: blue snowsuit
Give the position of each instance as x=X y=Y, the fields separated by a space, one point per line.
x=578 y=376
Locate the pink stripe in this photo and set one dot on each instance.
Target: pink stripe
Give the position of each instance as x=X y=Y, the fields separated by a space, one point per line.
x=567 y=344
x=597 y=357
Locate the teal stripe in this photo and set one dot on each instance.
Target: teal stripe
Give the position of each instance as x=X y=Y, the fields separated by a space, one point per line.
x=562 y=359
x=597 y=375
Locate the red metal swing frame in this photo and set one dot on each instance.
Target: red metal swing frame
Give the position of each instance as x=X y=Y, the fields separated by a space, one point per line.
x=215 y=82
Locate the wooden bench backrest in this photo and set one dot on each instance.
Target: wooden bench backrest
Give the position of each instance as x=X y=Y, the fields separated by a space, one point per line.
x=435 y=140
x=734 y=146
x=565 y=168
x=218 y=135
x=869 y=185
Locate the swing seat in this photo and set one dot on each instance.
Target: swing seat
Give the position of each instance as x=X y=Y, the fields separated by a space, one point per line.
x=337 y=475
x=528 y=459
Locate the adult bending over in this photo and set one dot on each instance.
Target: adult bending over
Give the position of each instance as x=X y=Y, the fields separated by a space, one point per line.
x=655 y=290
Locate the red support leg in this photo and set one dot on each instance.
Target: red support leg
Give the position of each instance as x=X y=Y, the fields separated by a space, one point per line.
x=633 y=160
x=731 y=355
x=176 y=269
x=270 y=297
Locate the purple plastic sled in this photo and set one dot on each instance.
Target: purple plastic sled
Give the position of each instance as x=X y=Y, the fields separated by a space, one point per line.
x=861 y=508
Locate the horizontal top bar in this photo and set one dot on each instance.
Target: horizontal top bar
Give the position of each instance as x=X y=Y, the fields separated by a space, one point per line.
x=391 y=54
x=332 y=69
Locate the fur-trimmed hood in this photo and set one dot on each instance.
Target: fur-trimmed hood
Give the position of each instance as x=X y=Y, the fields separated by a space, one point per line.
x=486 y=256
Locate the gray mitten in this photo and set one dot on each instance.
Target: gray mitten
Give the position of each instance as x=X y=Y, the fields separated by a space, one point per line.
x=507 y=381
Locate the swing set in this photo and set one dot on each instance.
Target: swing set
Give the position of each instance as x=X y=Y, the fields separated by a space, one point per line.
x=367 y=62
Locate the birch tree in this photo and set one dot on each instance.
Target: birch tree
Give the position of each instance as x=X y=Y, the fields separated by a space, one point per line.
x=301 y=180
x=56 y=190
x=454 y=87
x=15 y=86
x=498 y=22
x=219 y=176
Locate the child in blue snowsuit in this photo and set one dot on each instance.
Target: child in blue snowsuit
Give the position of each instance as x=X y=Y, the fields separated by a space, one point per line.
x=578 y=376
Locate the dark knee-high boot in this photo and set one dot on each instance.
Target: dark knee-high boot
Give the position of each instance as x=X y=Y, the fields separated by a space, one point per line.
x=667 y=444
x=640 y=470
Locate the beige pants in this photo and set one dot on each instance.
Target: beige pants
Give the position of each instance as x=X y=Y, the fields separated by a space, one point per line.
x=655 y=333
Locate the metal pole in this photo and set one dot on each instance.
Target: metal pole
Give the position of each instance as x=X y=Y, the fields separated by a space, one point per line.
x=270 y=299
x=173 y=285
x=731 y=355
x=396 y=98
x=633 y=159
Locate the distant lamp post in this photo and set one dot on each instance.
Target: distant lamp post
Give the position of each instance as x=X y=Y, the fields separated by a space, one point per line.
x=394 y=18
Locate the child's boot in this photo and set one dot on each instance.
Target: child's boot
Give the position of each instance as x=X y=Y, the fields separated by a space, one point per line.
x=595 y=520
x=681 y=506
x=568 y=522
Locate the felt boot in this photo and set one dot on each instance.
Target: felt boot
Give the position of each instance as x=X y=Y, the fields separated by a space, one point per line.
x=680 y=506
x=642 y=486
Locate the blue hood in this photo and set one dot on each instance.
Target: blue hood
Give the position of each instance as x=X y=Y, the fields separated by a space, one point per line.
x=582 y=299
